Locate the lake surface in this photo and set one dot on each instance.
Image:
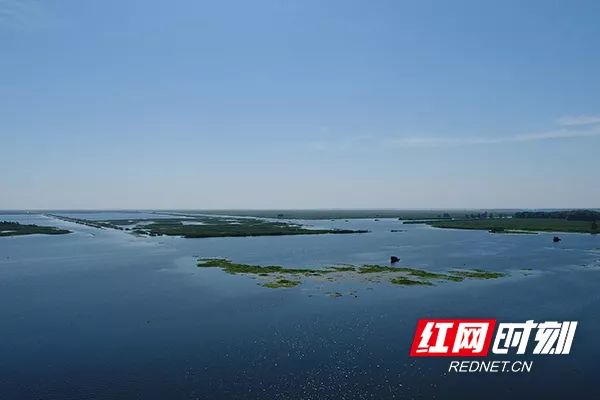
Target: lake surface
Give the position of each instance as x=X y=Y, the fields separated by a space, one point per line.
x=102 y=314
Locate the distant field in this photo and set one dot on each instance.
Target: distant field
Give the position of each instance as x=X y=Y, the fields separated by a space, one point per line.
x=524 y=224
x=348 y=214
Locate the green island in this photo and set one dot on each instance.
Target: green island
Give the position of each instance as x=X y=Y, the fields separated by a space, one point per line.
x=281 y=277
x=16 y=229
x=200 y=226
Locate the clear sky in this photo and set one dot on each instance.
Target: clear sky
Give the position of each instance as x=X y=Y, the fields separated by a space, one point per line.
x=299 y=104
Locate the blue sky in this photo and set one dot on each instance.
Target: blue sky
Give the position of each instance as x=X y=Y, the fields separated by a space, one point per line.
x=299 y=104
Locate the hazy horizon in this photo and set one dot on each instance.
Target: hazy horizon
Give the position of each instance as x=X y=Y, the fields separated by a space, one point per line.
x=212 y=210
x=299 y=105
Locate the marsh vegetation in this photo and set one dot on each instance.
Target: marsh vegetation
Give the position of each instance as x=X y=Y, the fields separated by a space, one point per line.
x=279 y=276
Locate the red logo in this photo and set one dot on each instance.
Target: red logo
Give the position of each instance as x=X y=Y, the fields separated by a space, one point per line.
x=452 y=337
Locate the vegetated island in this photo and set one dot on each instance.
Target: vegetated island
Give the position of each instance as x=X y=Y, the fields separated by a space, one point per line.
x=275 y=276
x=580 y=221
x=206 y=227
x=8 y=228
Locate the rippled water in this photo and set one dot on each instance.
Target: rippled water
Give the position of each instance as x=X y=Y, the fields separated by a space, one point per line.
x=101 y=314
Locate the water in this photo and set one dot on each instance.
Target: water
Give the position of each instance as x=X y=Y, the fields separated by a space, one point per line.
x=101 y=314
x=107 y=215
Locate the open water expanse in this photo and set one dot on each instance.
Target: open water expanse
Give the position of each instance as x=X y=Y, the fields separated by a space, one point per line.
x=104 y=314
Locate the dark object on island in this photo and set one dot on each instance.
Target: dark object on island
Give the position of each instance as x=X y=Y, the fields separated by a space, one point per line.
x=556 y=239
x=394 y=259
